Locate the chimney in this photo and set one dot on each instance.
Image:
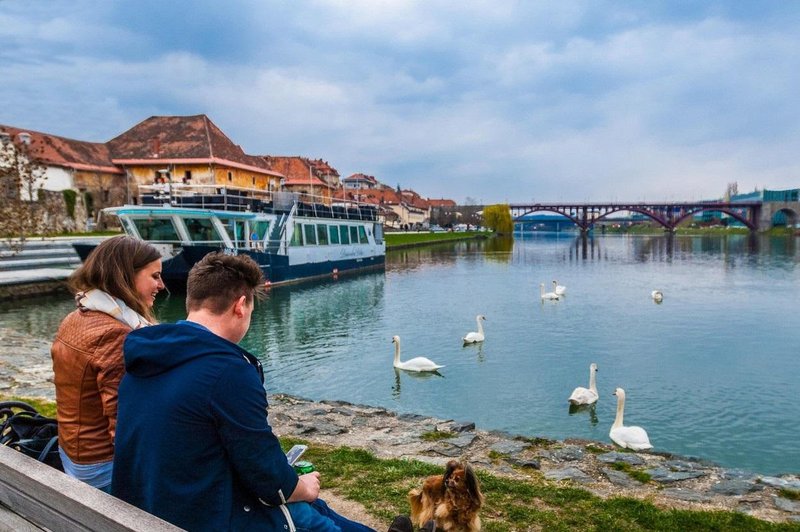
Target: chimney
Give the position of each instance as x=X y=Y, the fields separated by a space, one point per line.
x=156 y=147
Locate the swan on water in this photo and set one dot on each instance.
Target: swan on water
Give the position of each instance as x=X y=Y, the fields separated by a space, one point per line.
x=415 y=364
x=559 y=289
x=657 y=296
x=547 y=295
x=586 y=396
x=627 y=437
x=475 y=337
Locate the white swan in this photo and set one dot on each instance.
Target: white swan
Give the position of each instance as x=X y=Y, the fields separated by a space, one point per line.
x=657 y=296
x=547 y=295
x=586 y=396
x=415 y=364
x=559 y=289
x=475 y=337
x=627 y=437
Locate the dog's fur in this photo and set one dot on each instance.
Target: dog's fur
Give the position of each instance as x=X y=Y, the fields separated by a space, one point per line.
x=452 y=500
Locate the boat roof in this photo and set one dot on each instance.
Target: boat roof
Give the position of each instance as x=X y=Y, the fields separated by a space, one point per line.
x=149 y=210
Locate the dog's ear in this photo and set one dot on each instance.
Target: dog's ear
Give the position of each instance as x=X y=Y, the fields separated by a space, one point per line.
x=452 y=465
x=473 y=484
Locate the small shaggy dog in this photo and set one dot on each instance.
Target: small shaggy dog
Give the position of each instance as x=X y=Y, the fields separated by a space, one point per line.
x=452 y=500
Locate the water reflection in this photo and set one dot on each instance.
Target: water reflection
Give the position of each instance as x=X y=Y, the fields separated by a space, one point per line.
x=478 y=348
x=589 y=410
x=420 y=376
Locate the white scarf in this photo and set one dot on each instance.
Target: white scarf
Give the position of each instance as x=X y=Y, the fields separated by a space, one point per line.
x=100 y=301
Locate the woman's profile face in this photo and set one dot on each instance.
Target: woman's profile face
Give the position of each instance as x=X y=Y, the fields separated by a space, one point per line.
x=148 y=283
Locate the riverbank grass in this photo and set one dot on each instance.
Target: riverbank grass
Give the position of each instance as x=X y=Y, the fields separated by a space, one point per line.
x=382 y=486
x=405 y=239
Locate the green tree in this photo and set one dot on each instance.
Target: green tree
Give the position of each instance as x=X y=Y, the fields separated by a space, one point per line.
x=498 y=218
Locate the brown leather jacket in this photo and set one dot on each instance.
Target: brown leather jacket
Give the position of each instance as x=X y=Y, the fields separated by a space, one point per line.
x=88 y=365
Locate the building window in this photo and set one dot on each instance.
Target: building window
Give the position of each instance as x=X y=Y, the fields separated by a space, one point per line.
x=254 y=180
x=230 y=175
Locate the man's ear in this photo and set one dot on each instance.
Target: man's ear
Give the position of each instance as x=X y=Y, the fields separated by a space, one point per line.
x=238 y=306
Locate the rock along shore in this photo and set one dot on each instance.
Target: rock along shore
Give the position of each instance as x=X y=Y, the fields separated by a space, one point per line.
x=674 y=481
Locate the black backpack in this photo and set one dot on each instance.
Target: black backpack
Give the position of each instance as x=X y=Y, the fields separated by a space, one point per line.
x=24 y=429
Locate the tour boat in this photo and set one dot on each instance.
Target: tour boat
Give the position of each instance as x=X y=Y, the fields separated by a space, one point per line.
x=291 y=236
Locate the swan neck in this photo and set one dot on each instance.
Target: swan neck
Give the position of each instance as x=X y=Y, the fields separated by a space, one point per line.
x=541 y=289
x=397 y=353
x=620 y=412
x=480 y=326
x=592 y=381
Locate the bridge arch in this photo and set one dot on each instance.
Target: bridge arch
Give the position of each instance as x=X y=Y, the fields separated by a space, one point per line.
x=630 y=208
x=730 y=212
x=575 y=220
x=790 y=218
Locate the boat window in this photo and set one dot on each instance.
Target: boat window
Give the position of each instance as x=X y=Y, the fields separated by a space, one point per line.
x=362 y=235
x=260 y=228
x=333 y=230
x=128 y=226
x=202 y=230
x=353 y=234
x=297 y=235
x=344 y=234
x=157 y=230
x=235 y=229
x=322 y=234
x=378 y=230
x=310 y=234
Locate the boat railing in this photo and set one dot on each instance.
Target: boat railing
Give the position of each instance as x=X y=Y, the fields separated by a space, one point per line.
x=231 y=198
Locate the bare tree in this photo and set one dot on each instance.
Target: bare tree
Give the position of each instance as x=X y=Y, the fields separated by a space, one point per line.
x=22 y=183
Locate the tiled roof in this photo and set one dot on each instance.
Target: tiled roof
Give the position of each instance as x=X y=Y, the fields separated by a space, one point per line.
x=67 y=153
x=299 y=170
x=361 y=177
x=163 y=139
x=441 y=202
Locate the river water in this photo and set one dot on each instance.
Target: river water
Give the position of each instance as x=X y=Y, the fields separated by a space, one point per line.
x=710 y=372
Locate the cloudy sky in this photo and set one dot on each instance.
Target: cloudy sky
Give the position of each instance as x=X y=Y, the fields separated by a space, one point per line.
x=491 y=100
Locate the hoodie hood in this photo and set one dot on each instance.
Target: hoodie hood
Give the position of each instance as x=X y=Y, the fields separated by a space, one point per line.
x=154 y=350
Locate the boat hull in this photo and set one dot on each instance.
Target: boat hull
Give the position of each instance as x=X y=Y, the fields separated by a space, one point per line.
x=276 y=268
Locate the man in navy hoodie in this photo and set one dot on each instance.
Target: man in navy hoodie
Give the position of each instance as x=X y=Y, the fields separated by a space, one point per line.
x=193 y=444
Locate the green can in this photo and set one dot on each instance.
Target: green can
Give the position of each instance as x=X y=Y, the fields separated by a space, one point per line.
x=302 y=467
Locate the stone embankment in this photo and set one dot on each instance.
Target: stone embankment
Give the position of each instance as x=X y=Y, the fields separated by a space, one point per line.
x=666 y=480
x=600 y=468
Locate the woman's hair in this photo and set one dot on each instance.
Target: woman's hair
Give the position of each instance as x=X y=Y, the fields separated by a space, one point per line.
x=218 y=280
x=112 y=267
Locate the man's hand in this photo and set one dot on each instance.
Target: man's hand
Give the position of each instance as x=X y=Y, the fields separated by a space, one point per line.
x=307 y=488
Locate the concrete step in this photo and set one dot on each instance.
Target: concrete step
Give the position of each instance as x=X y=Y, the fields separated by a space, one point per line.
x=43 y=254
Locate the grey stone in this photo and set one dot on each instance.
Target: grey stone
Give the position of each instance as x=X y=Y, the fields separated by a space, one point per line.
x=735 y=486
x=685 y=495
x=462 y=426
x=787 y=505
x=570 y=473
x=358 y=421
x=410 y=417
x=318 y=412
x=509 y=447
x=787 y=481
x=523 y=462
x=620 y=478
x=738 y=474
x=327 y=429
x=614 y=457
x=665 y=476
x=682 y=465
x=569 y=453
x=446 y=450
x=343 y=411
x=794 y=518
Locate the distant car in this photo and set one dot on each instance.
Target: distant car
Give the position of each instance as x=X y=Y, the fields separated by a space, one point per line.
x=436 y=229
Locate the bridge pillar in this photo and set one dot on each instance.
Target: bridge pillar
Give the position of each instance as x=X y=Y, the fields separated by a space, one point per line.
x=770 y=208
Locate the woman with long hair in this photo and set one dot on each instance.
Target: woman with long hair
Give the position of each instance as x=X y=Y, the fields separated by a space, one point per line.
x=114 y=289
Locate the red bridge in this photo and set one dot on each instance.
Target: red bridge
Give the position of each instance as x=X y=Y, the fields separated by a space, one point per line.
x=669 y=215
